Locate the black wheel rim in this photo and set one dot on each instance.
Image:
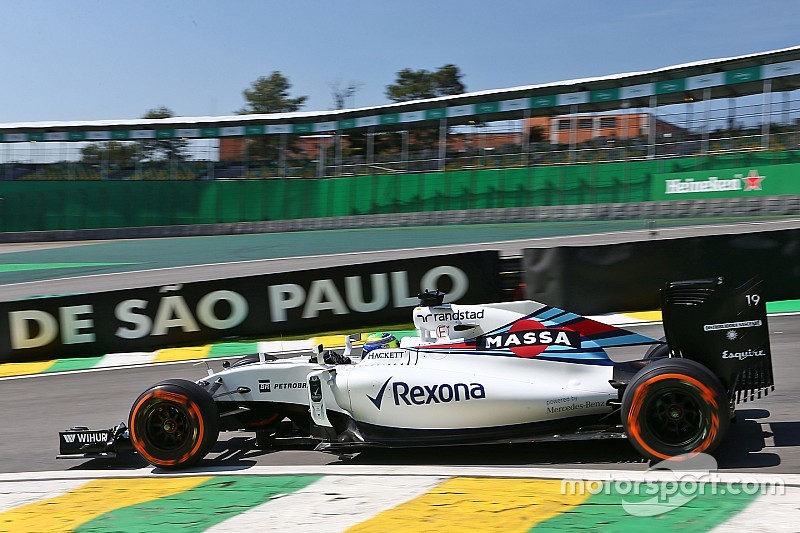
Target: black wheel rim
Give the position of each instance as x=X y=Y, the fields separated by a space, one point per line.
x=675 y=417
x=167 y=426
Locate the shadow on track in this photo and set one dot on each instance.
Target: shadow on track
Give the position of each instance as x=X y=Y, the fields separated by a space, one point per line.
x=745 y=448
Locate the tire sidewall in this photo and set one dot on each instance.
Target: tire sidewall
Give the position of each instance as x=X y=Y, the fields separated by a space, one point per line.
x=193 y=403
x=688 y=377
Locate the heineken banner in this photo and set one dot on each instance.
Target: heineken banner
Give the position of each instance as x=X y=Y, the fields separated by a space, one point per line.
x=770 y=180
x=190 y=314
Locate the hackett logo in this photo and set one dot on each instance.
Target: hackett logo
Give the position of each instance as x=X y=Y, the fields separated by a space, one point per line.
x=751 y=182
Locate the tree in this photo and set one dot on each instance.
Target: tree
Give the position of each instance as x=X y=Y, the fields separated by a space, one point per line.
x=162 y=149
x=114 y=152
x=269 y=94
x=419 y=84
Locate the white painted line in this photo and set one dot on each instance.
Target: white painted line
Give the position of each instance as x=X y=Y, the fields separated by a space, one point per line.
x=25 y=492
x=769 y=441
x=493 y=245
x=126 y=359
x=284 y=346
x=334 y=503
x=768 y=513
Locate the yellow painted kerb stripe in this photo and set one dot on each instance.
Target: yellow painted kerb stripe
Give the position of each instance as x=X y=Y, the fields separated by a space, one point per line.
x=182 y=354
x=478 y=504
x=329 y=341
x=22 y=369
x=649 y=316
x=87 y=502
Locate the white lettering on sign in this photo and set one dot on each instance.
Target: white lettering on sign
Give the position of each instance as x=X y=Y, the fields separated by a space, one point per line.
x=323 y=294
x=75 y=327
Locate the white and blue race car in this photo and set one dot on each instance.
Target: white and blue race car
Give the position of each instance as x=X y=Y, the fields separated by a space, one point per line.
x=501 y=372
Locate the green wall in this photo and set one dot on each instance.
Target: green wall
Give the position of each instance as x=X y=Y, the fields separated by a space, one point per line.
x=52 y=205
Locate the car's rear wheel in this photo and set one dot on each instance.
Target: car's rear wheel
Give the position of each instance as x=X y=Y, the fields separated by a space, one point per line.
x=173 y=424
x=657 y=351
x=675 y=406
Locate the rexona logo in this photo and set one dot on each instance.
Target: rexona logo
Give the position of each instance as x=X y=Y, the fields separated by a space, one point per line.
x=751 y=182
x=529 y=338
x=405 y=394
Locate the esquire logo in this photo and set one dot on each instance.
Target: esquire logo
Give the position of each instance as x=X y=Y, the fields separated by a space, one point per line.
x=743 y=355
x=405 y=394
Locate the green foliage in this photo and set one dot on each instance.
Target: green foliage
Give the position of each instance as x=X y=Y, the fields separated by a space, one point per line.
x=162 y=149
x=270 y=94
x=115 y=152
x=419 y=84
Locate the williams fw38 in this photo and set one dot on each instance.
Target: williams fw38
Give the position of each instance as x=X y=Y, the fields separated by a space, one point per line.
x=492 y=373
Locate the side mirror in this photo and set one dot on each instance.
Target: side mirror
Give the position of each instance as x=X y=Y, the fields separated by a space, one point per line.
x=348 y=343
x=318 y=351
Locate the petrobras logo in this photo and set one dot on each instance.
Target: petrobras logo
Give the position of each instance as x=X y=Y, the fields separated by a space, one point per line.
x=440 y=393
x=739 y=182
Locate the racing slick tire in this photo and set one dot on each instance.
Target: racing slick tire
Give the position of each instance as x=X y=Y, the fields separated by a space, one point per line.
x=657 y=351
x=174 y=423
x=675 y=406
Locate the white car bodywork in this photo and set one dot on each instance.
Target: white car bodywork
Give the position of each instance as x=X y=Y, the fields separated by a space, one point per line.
x=473 y=373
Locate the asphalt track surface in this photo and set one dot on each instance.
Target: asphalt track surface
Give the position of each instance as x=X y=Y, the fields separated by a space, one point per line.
x=766 y=437
x=68 y=268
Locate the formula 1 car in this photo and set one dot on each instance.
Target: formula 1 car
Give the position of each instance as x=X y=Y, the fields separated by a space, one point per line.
x=500 y=372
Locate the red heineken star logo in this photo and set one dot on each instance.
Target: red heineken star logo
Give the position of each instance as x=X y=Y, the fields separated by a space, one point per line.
x=753 y=181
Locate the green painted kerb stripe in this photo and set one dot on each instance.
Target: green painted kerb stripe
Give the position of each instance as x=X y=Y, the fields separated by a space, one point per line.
x=227 y=349
x=785 y=306
x=19 y=267
x=199 y=508
x=605 y=511
x=65 y=365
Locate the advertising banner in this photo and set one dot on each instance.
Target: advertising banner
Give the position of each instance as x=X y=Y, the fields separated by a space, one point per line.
x=627 y=276
x=768 y=180
x=353 y=296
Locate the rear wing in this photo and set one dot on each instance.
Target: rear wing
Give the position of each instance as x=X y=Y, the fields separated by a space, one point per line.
x=724 y=328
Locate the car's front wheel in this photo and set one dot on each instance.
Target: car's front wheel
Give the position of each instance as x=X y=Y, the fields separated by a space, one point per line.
x=173 y=424
x=675 y=406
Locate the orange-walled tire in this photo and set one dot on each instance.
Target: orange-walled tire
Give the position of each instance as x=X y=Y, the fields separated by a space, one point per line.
x=174 y=424
x=675 y=406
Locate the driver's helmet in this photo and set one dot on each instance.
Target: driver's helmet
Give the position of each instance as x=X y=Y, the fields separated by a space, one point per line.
x=380 y=340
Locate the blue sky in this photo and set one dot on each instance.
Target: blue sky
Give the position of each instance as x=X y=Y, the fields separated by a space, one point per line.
x=104 y=59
